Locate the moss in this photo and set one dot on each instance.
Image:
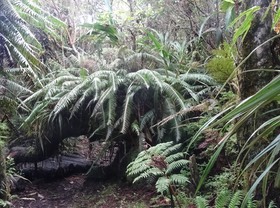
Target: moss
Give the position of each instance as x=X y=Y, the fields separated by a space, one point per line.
x=222 y=64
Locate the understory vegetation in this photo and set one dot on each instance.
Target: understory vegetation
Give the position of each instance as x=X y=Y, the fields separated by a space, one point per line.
x=181 y=96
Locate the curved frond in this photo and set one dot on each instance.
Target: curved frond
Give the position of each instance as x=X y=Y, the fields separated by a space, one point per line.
x=162 y=184
x=127 y=112
x=179 y=179
x=150 y=172
x=179 y=164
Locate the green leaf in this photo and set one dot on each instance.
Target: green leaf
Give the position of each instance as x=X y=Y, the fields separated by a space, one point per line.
x=162 y=184
x=242 y=29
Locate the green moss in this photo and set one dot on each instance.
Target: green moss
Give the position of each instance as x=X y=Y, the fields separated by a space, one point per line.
x=222 y=64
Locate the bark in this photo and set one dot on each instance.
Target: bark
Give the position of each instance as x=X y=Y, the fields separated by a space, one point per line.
x=263 y=58
x=36 y=150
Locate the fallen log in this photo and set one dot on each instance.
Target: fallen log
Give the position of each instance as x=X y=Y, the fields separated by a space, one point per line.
x=55 y=167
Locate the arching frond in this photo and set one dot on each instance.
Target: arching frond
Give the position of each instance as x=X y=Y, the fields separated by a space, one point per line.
x=174 y=94
x=67 y=100
x=176 y=121
x=35 y=15
x=147 y=118
x=102 y=99
x=112 y=104
x=127 y=111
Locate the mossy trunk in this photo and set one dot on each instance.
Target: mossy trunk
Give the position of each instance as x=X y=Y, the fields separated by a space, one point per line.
x=4 y=193
x=264 y=57
x=257 y=72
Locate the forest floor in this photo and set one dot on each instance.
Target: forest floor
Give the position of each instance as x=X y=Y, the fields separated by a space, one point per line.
x=77 y=192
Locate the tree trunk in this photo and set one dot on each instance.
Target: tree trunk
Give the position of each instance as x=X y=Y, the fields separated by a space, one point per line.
x=263 y=58
x=38 y=149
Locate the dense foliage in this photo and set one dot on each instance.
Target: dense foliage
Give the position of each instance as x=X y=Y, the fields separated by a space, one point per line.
x=140 y=77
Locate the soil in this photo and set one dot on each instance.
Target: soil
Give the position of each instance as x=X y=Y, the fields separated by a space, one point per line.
x=77 y=192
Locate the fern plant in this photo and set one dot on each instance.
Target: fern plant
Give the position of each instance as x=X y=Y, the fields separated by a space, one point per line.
x=18 y=44
x=226 y=199
x=160 y=163
x=127 y=101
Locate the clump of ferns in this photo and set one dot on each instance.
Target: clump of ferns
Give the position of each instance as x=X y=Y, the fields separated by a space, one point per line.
x=160 y=164
x=229 y=199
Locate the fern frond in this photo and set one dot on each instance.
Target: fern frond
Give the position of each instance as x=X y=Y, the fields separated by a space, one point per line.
x=201 y=202
x=251 y=203
x=222 y=199
x=174 y=94
x=179 y=179
x=35 y=114
x=162 y=184
x=146 y=118
x=139 y=165
x=272 y=205
x=176 y=121
x=36 y=16
x=135 y=127
x=81 y=101
x=140 y=78
x=68 y=99
x=103 y=98
x=174 y=157
x=150 y=172
x=198 y=77
x=127 y=109
x=13 y=87
x=236 y=199
x=179 y=164
x=112 y=104
x=171 y=149
x=154 y=78
x=160 y=148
